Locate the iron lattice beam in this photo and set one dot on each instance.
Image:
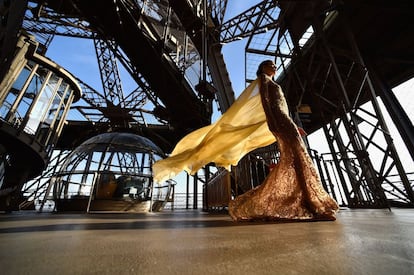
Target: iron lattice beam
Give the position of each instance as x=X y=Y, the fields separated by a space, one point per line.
x=40 y=19
x=259 y=18
x=217 y=10
x=356 y=112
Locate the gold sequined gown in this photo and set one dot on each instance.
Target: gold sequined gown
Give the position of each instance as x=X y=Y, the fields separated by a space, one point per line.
x=293 y=189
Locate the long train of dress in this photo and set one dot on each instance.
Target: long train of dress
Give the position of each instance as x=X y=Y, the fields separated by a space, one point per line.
x=293 y=189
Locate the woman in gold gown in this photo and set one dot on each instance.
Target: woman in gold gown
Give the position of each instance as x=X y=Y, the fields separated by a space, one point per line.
x=258 y=118
x=293 y=189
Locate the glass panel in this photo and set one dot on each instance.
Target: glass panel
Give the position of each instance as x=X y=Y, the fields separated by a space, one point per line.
x=8 y=103
x=63 y=93
x=49 y=125
x=29 y=95
x=134 y=187
x=147 y=164
x=21 y=80
x=6 y=106
x=53 y=108
x=41 y=107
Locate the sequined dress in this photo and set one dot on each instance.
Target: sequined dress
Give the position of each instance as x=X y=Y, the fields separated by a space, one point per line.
x=293 y=189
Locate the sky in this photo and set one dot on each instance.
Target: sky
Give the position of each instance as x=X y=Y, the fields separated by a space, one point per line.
x=78 y=57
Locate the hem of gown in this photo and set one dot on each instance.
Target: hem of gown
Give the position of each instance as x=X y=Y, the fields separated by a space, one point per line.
x=317 y=217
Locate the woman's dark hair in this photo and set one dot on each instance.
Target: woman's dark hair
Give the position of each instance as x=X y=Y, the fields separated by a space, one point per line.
x=261 y=65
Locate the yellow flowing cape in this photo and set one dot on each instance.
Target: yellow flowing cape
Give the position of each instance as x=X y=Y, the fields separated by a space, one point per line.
x=241 y=129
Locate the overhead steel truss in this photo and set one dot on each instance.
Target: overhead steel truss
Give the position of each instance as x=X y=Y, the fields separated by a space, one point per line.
x=352 y=119
x=369 y=181
x=115 y=105
x=47 y=23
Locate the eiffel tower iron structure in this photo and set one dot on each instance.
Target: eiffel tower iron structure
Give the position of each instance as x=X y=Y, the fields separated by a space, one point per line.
x=338 y=61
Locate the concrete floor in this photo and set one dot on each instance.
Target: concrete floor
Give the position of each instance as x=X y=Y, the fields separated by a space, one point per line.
x=194 y=242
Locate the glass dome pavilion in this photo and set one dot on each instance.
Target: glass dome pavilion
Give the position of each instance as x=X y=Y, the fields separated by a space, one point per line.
x=111 y=172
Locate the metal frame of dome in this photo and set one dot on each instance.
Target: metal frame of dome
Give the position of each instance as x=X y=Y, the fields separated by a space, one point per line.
x=124 y=139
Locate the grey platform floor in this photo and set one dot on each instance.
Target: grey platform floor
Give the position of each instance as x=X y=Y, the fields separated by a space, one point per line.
x=194 y=242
